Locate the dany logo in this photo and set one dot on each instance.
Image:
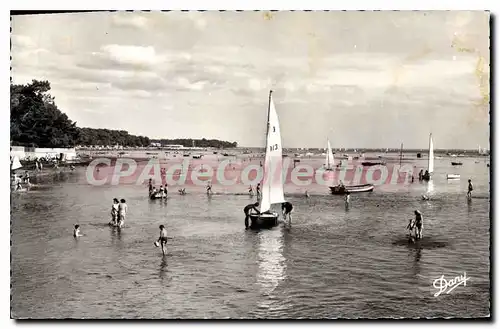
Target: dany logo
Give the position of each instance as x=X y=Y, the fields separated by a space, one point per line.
x=448 y=286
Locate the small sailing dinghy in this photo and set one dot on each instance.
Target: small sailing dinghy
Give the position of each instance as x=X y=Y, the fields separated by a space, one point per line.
x=272 y=187
x=329 y=157
x=430 y=163
x=453 y=176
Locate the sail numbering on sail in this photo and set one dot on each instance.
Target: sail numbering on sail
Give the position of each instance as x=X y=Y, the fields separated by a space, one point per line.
x=272 y=187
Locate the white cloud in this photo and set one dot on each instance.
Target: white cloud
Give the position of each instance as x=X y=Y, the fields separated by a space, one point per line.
x=130 y=20
x=131 y=55
x=23 y=41
x=186 y=84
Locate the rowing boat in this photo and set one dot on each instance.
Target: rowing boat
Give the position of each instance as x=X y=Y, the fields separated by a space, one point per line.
x=351 y=189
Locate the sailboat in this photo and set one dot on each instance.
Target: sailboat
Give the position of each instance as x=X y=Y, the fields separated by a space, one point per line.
x=272 y=187
x=15 y=163
x=430 y=163
x=329 y=157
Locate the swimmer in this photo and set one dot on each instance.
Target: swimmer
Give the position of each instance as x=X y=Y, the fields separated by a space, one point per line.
x=76 y=231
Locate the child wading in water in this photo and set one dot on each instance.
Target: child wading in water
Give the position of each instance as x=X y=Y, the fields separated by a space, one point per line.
x=162 y=240
x=469 y=190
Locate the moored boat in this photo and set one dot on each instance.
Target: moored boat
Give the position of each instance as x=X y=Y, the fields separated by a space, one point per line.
x=456 y=163
x=351 y=189
x=368 y=164
x=453 y=176
x=430 y=161
x=329 y=157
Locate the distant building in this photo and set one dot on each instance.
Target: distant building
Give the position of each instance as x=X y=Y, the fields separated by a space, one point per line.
x=174 y=147
x=38 y=152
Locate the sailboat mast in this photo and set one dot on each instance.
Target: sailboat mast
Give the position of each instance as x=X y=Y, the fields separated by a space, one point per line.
x=401 y=154
x=268 y=113
x=328 y=153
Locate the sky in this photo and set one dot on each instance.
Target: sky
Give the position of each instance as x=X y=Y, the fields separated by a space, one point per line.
x=361 y=79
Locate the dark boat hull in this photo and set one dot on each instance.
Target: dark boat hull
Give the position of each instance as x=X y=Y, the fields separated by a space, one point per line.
x=265 y=220
x=369 y=164
x=158 y=196
x=456 y=163
x=351 y=189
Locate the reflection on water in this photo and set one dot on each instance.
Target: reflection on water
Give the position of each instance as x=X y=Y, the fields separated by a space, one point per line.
x=271 y=264
x=430 y=188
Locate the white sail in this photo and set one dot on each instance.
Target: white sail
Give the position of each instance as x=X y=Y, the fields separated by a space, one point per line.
x=272 y=187
x=15 y=163
x=430 y=166
x=329 y=157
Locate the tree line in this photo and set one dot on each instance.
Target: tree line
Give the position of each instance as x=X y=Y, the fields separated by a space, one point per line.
x=35 y=121
x=188 y=142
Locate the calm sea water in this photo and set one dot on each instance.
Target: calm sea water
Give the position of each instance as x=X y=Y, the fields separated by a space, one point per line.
x=334 y=262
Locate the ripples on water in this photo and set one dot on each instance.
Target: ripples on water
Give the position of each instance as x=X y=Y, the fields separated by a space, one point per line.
x=335 y=262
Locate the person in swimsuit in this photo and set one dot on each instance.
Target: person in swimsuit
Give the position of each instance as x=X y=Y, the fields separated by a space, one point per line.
x=162 y=240
x=248 y=209
x=209 y=188
x=182 y=191
x=409 y=227
x=286 y=208
x=250 y=190
x=419 y=224
x=469 y=190
x=114 y=212
x=150 y=185
x=347 y=198
x=258 y=190
x=122 y=212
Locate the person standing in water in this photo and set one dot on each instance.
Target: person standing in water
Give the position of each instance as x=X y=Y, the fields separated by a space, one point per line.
x=162 y=240
x=347 y=198
x=150 y=185
x=209 y=188
x=419 y=224
x=258 y=191
x=286 y=208
x=250 y=190
x=122 y=212
x=114 y=212
x=469 y=190
x=248 y=209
